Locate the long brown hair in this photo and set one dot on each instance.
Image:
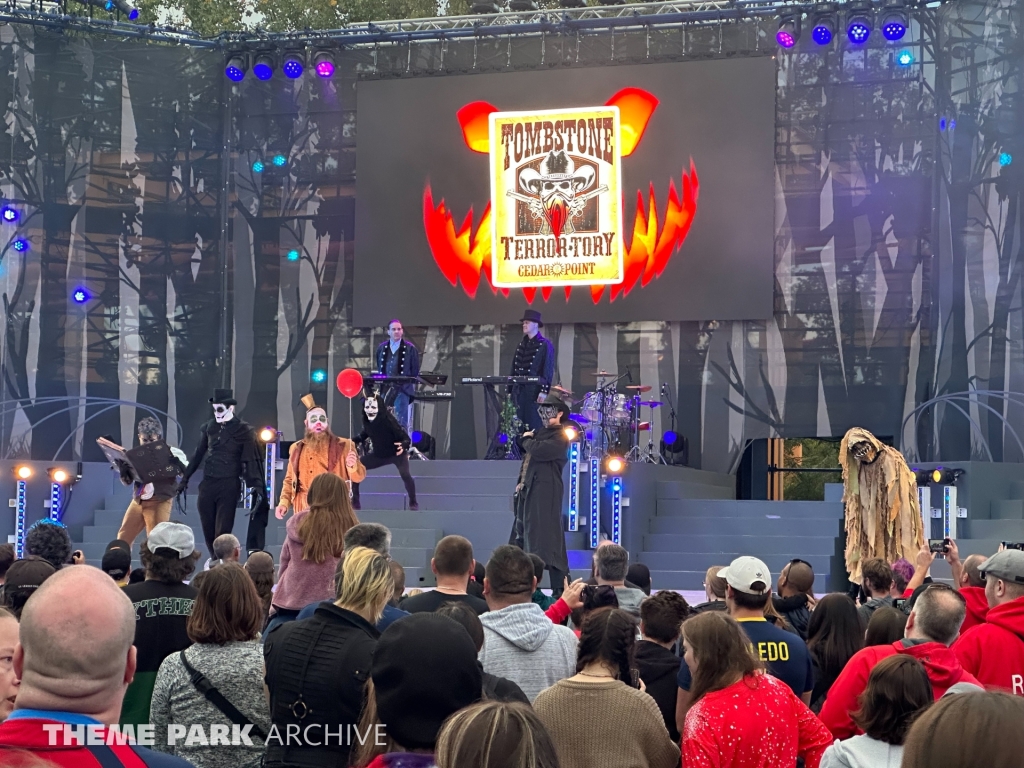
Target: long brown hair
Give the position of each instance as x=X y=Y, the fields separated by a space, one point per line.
x=608 y=635
x=322 y=529
x=898 y=691
x=260 y=567
x=722 y=651
x=227 y=607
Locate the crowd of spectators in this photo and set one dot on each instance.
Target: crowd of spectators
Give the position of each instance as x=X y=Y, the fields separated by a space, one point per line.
x=326 y=661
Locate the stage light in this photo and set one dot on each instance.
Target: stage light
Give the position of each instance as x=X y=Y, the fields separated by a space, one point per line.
x=824 y=29
x=236 y=67
x=323 y=64
x=571 y=434
x=319 y=376
x=257 y=167
x=20 y=245
x=280 y=161
x=268 y=434
x=789 y=31
x=572 y=3
x=858 y=25
x=675 y=449
x=614 y=464
x=423 y=442
x=485 y=6
x=80 y=296
x=21 y=507
x=9 y=214
x=670 y=437
x=922 y=476
x=595 y=502
x=937 y=475
x=294 y=64
x=894 y=24
x=293 y=255
x=617 y=510
x=905 y=58
x=523 y=5
x=1005 y=158
x=58 y=475
x=574 y=486
x=263 y=66
x=946 y=476
x=23 y=471
x=502 y=439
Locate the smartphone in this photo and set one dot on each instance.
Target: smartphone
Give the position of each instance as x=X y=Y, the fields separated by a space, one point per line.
x=938 y=546
x=1013 y=545
x=900 y=604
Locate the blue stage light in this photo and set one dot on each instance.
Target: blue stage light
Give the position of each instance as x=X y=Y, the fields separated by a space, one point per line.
x=293 y=255
x=669 y=437
x=257 y=167
x=574 y=486
x=263 y=66
x=235 y=68
x=503 y=439
x=20 y=245
x=319 y=376
x=905 y=58
x=416 y=436
x=1005 y=158
x=133 y=14
x=280 y=161
x=824 y=30
x=595 y=501
x=80 y=296
x=894 y=25
x=293 y=65
x=858 y=30
x=9 y=214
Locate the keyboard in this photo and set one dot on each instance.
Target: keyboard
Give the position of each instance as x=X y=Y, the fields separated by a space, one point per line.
x=432 y=397
x=502 y=380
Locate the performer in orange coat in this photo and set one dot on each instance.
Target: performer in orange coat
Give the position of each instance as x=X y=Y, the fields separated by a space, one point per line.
x=318 y=452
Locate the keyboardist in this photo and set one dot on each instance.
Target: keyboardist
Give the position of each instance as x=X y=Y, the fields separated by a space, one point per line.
x=535 y=356
x=398 y=357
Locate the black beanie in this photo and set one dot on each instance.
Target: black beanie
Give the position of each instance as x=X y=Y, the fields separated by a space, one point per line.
x=424 y=670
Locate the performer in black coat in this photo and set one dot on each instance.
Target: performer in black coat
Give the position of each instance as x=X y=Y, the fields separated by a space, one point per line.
x=538 y=525
x=535 y=356
x=384 y=442
x=233 y=457
x=398 y=357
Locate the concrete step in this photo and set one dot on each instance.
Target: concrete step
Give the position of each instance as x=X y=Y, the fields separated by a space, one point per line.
x=1000 y=530
x=1017 y=489
x=1007 y=509
x=763 y=545
x=677 y=489
x=746 y=526
x=792 y=510
x=501 y=470
x=481 y=486
x=701 y=561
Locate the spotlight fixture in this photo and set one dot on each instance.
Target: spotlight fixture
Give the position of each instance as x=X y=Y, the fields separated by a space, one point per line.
x=9 y=214
x=424 y=443
x=483 y=6
x=323 y=63
x=80 y=296
x=523 y=5
x=894 y=23
x=904 y=58
x=59 y=475
x=268 y=434
x=824 y=29
x=319 y=376
x=859 y=23
x=122 y=7
x=23 y=471
x=20 y=245
x=571 y=433
x=263 y=66
x=921 y=476
x=280 y=161
x=257 y=167
x=942 y=476
x=236 y=67
x=675 y=449
x=293 y=255
x=789 y=30
x=614 y=464
x=1005 y=158
x=572 y=3
x=294 y=64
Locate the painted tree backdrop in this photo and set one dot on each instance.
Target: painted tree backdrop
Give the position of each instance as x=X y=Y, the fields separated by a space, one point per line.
x=897 y=251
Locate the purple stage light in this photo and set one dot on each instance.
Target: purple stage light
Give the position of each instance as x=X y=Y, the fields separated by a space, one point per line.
x=785 y=38
x=894 y=29
x=325 y=69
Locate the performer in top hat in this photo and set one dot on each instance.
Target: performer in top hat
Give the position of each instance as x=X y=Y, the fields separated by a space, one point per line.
x=234 y=456
x=535 y=356
x=538 y=499
x=398 y=357
x=318 y=452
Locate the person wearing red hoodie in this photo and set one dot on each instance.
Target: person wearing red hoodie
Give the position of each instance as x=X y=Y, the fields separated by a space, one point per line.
x=972 y=586
x=994 y=650
x=932 y=627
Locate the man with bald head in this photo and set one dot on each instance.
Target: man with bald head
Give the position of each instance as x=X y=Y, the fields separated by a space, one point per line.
x=75 y=659
x=972 y=586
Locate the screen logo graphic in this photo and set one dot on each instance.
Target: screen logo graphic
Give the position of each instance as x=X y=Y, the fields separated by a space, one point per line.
x=556 y=210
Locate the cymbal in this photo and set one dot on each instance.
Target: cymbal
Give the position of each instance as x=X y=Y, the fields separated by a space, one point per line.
x=640 y=388
x=651 y=403
x=579 y=418
x=601 y=373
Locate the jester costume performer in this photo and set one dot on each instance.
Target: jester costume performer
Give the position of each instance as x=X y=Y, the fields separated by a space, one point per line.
x=318 y=452
x=384 y=442
x=883 y=516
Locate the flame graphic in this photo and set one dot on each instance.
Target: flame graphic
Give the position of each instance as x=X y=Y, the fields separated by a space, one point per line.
x=464 y=254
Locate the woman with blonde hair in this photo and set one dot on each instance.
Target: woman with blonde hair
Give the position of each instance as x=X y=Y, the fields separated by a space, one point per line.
x=495 y=734
x=313 y=545
x=317 y=668
x=741 y=717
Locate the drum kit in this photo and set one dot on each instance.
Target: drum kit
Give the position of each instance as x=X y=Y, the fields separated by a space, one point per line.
x=610 y=419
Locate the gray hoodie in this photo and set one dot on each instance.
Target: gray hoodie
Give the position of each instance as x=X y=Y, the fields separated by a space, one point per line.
x=526 y=647
x=630 y=599
x=862 y=752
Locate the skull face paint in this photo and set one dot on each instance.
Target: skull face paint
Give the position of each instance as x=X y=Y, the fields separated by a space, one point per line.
x=316 y=421
x=370 y=408
x=223 y=413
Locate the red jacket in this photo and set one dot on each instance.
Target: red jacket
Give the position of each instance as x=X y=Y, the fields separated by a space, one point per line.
x=994 y=651
x=755 y=723
x=24 y=741
x=977 y=607
x=941 y=664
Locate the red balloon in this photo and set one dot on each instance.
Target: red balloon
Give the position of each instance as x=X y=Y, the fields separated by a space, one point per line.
x=350 y=382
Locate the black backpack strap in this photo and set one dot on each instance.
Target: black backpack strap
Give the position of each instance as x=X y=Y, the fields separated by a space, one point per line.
x=215 y=697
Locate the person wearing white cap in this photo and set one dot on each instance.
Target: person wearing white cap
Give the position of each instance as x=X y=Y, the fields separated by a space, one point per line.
x=994 y=651
x=162 y=603
x=784 y=654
